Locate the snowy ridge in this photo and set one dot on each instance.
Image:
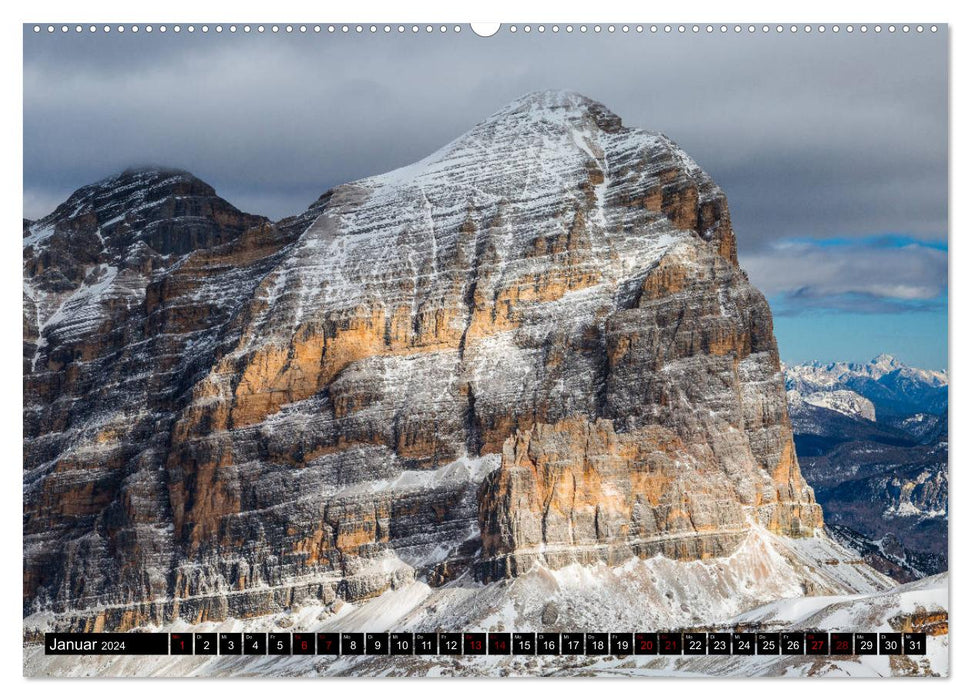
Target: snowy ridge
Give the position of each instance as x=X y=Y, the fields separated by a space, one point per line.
x=894 y=389
x=836 y=374
x=844 y=401
x=525 y=167
x=650 y=594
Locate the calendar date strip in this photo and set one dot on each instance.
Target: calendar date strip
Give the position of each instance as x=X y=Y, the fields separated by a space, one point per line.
x=809 y=643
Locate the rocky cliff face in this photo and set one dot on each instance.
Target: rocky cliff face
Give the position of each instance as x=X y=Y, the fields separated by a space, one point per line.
x=534 y=346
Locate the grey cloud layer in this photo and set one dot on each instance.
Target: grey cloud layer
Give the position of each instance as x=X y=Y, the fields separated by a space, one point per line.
x=810 y=136
x=862 y=277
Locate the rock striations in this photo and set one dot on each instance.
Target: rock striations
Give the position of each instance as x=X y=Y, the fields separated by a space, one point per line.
x=533 y=347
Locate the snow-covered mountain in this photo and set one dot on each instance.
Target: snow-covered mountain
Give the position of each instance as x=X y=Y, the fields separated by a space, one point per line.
x=524 y=370
x=893 y=388
x=872 y=441
x=844 y=401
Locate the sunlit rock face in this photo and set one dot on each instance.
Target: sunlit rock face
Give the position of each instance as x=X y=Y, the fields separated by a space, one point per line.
x=533 y=347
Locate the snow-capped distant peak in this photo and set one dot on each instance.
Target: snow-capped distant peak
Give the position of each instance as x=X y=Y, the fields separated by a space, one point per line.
x=887 y=384
x=883 y=364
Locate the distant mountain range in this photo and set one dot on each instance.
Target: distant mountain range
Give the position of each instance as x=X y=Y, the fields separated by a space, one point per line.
x=872 y=441
x=894 y=389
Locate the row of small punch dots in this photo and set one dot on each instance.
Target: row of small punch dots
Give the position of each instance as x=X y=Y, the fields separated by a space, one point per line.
x=549 y=643
x=512 y=28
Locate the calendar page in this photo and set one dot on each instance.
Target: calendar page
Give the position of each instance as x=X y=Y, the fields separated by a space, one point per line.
x=513 y=350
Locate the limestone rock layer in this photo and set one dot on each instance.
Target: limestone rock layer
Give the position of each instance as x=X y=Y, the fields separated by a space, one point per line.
x=533 y=347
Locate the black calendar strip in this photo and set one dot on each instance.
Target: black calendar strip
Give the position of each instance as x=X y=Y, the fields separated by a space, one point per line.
x=810 y=643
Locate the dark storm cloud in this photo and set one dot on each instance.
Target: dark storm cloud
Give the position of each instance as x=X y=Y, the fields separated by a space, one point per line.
x=811 y=136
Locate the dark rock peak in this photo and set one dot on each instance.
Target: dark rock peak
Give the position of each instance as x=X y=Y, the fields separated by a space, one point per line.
x=168 y=210
x=131 y=186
